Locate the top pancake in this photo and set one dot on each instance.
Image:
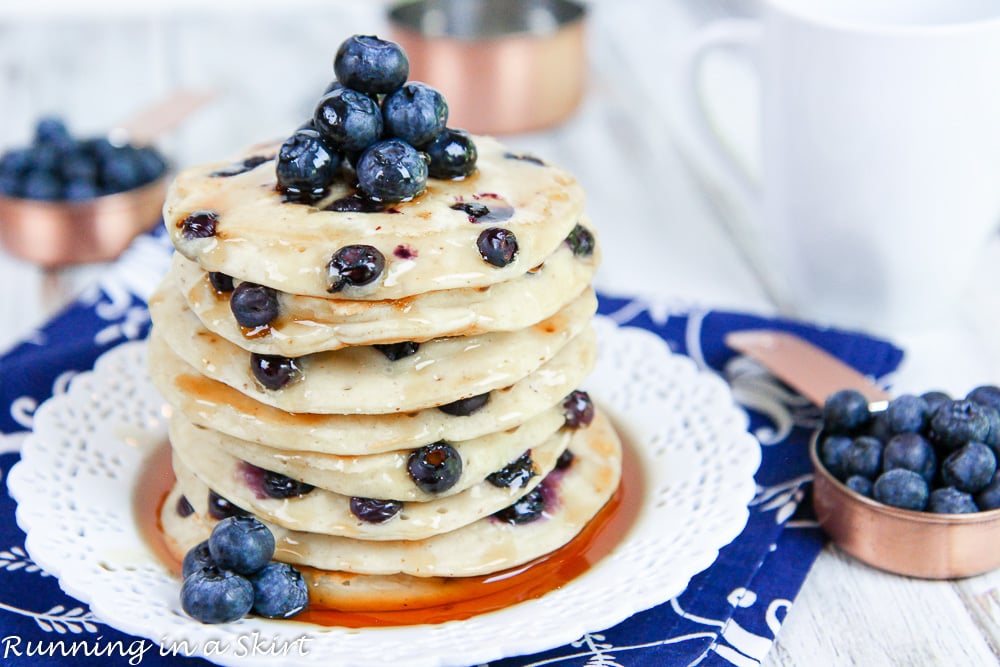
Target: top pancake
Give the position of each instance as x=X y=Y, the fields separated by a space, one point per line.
x=427 y=244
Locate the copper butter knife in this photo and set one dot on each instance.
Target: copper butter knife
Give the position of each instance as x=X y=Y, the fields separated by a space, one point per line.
x=810 y=370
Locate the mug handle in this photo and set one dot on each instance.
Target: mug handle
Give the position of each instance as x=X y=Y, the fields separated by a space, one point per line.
x=741 y=36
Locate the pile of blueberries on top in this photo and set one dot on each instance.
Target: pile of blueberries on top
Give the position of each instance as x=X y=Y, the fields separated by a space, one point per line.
x=925 y=453
x=393 y=133
x=58 y=167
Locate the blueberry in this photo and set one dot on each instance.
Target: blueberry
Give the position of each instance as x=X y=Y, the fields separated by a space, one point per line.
x=279 y=591
x=859 y=484
x=15 y=162
x=397 y=351
x=958 y=422
x=349 y=120
x=969 y=468
x=355 y=204
x=42 y=185
x=986 y=394
x=452 y=154
x=992 y=439
x=150 y=163
x=435 y=468
x=80 y=191
x=910 y=451
x=832 y=452
x=578 y=409
x=184 y=508
x=949 y=500
x=371 y=65
x=120 y=171
x=354 y=265
x=196 y=558
x=254 y=305
x=77 y=167
x=514 y=475
x=465 y=406
x=474 y=210
x=901 y=488
x=565 y=460
x=213 y=595
x=280 y=486
x=52 y=131
x=11 y=185
x=241 y=544
x=935 y=399
x=527 y=509
x=220 y=281
x=989 y=497
x=392 y=171
x=274 y=371
x=498 y=246
x=375 y=510
x=306 y=166
x=878 y=426
x=845 y=411
x=415 y=113
x=863 y=457
x=221 y=508
x=581 y=241
x=907 y=414
x=199 y=225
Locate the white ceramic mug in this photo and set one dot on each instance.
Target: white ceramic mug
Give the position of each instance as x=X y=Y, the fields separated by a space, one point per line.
x=879 y=150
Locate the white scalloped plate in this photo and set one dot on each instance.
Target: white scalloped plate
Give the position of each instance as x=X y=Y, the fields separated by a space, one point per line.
x=75 y=484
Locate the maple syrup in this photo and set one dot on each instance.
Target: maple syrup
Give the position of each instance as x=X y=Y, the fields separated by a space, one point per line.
x=466 y=596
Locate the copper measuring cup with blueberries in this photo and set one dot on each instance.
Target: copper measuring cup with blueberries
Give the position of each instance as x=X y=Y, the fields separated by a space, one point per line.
x=908 y=483
x=69 y=200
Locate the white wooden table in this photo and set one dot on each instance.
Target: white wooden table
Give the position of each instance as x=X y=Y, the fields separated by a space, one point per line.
x=663 y=234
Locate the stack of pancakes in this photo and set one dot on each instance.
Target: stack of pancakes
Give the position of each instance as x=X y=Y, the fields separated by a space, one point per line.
x=345 y=427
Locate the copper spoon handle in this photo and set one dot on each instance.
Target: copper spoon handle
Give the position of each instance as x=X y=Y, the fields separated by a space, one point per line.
x=808 y=369
x=160 y=117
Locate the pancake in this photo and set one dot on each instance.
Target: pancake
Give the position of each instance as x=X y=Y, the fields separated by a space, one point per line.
x=311 y=324
x=208 y=403
x=321 y=511
x=427 y=245
x=361 y=379
x=370 y=476
x=573 y=497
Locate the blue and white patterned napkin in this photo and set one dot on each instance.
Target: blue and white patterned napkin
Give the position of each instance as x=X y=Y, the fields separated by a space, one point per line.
x=729 y=614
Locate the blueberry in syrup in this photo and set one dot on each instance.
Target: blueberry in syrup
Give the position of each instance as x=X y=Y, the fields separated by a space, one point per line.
x=242 y=166
x=514 y=475
x=184 y=508
x=392 y=171
x=274 y=371
x=279 y=591
x=281 y=486
x=452 y=155
x=578 y=409
x=375 y=510
x=199 y=225
x=415 y=113
x=220 y=281
x=213 y=595
x=371 y=65
x=355 y=204
x=241 y=544
x=527 y=509
x=474 y=210
x=464 y=407
x=349 y=120
x=396 y=351
x=435 y=468
x=254 y=305
x=307 y=163
x=196 y=558
x=581 y=241
x=219 y=508
x=498 y=246
x=354 y=265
